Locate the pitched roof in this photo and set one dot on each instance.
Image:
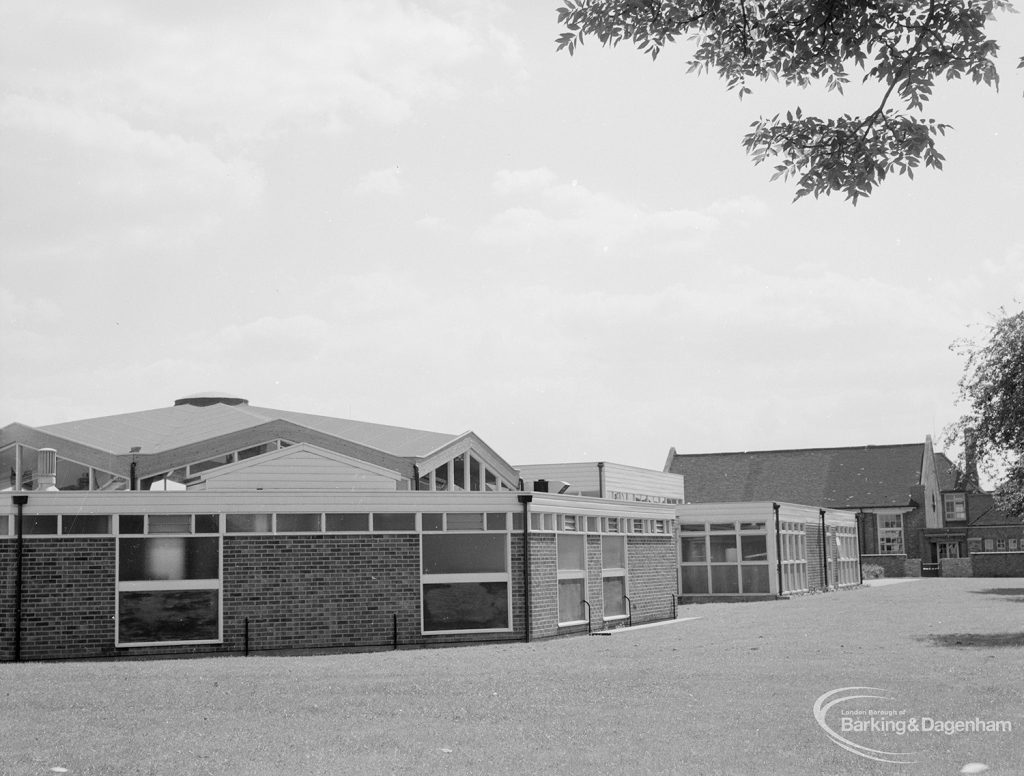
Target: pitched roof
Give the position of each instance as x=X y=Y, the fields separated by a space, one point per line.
x=167 y=428
x=983 y=510
x=836 y=477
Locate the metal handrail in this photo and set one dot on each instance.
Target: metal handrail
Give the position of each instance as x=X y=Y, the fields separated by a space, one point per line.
x=629 y=611
x=590 y=627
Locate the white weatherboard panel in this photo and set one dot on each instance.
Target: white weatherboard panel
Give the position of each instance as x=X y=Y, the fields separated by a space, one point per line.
x=583 y=477
x=642 y=482
x=303 y=470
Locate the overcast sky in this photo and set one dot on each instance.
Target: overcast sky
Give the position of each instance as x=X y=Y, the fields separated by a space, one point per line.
x=421 y=214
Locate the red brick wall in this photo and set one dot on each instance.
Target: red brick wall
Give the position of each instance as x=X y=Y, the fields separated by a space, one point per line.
x=998 y=564
x=652 y=577
x=299 y=592
x=67 y=603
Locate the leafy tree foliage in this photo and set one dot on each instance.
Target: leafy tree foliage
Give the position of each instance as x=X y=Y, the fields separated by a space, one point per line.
x=904 y=45
x=993 y=389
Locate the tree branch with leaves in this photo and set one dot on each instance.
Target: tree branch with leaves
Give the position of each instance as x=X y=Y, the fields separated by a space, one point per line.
x=992 y=388
x=904 y=45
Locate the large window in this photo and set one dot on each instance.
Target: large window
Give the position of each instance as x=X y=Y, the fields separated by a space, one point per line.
x=465 y=580
x=572 y=579
x=168 y=589
x=890 y=534
x=724 y=558
x=613 y=573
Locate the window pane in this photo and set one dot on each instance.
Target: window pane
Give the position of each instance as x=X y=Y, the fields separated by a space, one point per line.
x=441 y=477
x=751 y=526
x=33 y=525
x=723 y=526
x=131 y=524
x=85 y=524
x=474 y=474
x=723 y=549
x=29 y=459
x=248 y=523
x=108 y=481
x=614 y=596
x=496 y=521
x=754 y=547
x=394 y=521
x=464 y=553
x=210 y=463
x=432 y=521
x=613 y=552
x=694 y=579
x=465 y=606
x=755 y=578
x=8 y=472
x=724 y=579
x=699 y=527
x=170 y=524
x=71 y=475
x=207 y=524
x=348 y=521
x=694 y=549
x=517 y=521
x=252 y=452
x=570 y=600
x=5 y=522
x=168 y=615
x=459 y=476
x=571 y=553
x=465 y=522
x=168 y=558
x=298 y=522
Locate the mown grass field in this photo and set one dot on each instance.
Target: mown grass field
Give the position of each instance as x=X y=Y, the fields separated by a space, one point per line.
x=728 y=693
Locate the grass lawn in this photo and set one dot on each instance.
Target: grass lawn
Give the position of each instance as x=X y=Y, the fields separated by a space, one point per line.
x=729 y=693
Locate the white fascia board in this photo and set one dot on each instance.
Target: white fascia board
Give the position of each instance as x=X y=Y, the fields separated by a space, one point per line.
x=603 y=507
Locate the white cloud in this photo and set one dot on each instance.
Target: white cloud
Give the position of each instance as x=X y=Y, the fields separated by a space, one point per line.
x=77 y=178
x=387 y=181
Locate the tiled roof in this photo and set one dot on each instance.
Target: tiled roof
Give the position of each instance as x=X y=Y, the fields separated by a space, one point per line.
x=836 y=477
x=168 y=428
x=982 y=510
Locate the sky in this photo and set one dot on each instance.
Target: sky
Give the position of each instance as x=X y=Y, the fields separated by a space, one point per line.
x=423 y=215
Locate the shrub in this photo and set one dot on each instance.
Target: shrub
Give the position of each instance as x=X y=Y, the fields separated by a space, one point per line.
x=872 y=571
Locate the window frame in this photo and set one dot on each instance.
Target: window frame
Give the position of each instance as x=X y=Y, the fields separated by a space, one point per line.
x=615 y=572
x=571 y=575
x=129 y=586
x=466 y=578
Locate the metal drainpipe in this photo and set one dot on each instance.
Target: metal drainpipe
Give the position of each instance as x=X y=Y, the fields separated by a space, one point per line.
x=600 y=479
x=778 y=546
x=860 y=557
x=824 y=551
x=19 y=501
x=525 y=499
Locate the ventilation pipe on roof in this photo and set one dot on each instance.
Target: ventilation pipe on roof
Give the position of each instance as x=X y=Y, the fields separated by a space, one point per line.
x=46 y=469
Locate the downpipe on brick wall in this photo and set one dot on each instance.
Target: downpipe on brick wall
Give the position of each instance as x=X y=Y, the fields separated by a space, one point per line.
x=19 y=500
x=525 y=499
x=778 y=546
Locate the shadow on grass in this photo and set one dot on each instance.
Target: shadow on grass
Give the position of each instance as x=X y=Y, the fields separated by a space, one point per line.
x=975 y=639
x=1007 y=591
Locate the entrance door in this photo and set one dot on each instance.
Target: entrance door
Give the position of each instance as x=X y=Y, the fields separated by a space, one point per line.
x=947 y=550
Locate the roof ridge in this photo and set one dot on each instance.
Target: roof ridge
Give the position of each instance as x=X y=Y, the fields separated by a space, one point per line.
x=801 y=450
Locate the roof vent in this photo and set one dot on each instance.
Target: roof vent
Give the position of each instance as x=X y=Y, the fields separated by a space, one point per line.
x=209 y=398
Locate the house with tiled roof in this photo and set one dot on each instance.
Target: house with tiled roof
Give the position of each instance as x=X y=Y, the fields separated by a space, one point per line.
x=896 y=491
